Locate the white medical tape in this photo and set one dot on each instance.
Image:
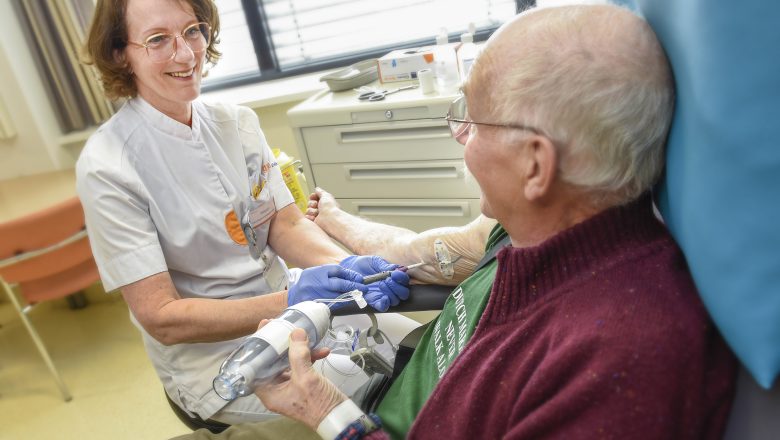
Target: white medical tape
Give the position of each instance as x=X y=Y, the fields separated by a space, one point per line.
x=277 y=334
x=442 y=254
x=427 y=81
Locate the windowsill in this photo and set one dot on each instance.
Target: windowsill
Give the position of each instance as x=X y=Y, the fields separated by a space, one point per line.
x=264 y=94
x=254 y=96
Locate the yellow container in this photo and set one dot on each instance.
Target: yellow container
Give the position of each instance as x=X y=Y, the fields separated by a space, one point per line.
x=293 y=178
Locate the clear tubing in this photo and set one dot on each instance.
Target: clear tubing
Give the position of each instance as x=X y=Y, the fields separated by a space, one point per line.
x=353 y=295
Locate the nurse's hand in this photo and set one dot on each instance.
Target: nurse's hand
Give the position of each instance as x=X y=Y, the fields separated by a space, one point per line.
x=328 y=281
x=382 y=294
x=301 y=393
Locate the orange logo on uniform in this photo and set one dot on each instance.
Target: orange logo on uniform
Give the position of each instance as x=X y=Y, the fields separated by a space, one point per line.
x=233 y=228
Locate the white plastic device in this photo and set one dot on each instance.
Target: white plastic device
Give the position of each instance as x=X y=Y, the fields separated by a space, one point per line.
x=263 y=355
x=348 y=78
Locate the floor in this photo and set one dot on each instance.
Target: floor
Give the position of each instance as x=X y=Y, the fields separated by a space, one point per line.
x=116 y=393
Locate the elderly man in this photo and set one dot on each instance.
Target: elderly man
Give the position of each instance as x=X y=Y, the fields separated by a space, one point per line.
x=593 y=327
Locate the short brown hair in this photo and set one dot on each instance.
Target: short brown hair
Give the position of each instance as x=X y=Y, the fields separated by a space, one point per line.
x=108 y=33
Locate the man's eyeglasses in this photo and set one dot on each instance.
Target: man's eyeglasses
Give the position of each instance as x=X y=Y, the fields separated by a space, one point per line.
x=460 y=122
x=161 y=47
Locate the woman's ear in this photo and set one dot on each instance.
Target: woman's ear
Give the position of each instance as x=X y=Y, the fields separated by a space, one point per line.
x=121 y=58
x=541 y=167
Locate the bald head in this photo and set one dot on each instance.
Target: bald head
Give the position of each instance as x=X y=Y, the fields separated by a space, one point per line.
x=554 y=35
x=596 y=80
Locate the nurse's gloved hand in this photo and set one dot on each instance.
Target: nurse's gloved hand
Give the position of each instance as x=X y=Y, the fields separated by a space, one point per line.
x=388 y=292
x=328 y=281
x=382 y=294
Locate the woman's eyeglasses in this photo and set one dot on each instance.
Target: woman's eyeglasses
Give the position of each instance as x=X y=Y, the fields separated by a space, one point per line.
x=161 y=47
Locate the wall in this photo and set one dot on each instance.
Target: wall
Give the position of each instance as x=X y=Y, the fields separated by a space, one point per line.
x=24 y=195
x=35 y=149
x=273 y=121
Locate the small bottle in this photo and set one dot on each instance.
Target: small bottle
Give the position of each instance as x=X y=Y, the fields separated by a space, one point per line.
x=293 y=178
x=263 y=355
x=446 y=63
x=467 y=53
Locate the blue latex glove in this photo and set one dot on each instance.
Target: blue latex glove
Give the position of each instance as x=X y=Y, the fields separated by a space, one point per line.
x=328 y=281
x=383 y=294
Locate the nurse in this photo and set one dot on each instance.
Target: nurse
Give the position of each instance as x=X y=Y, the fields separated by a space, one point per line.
x=186 y=208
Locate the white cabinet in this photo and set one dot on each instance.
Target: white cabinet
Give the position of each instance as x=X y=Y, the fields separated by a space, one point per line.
x=392 y=161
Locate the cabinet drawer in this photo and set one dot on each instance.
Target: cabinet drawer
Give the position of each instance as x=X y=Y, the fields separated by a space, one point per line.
x=417 y=215
x=420 y=179
x=386 y=141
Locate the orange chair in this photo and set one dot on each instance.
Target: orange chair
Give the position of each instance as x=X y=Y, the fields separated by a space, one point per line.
x=47 y=256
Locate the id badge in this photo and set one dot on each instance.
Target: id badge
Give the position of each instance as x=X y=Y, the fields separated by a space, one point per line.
x=256 y=221
x=275 y=273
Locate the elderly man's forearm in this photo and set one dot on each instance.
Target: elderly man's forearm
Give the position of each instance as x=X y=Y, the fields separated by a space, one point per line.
x=364 y=237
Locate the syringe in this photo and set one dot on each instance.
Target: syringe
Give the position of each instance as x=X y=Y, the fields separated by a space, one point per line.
x=383 y=275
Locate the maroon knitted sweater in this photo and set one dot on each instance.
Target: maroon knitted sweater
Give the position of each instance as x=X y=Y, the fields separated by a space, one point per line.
x=596 y=333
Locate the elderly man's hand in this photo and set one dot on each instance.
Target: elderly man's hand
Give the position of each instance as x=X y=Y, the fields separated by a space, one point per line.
x=301 y=393
x=321 y=204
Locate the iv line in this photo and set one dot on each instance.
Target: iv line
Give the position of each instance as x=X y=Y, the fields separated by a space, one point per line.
x=354 y=295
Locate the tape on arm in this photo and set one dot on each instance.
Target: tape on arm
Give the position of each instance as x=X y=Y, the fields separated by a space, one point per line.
x=338 y=419
x=465 y=245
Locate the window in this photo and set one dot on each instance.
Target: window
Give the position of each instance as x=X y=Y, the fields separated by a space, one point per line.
x=266 y=39
x=235 y=43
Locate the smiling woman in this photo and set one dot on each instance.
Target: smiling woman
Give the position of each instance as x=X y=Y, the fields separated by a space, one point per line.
x=167 y=75
x=165 y=184
x=110 y=35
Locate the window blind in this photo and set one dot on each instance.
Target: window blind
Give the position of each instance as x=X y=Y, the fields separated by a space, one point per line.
x=238 y=53
x=305 y=31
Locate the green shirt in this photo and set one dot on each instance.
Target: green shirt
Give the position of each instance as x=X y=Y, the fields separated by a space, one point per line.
x=442 y=342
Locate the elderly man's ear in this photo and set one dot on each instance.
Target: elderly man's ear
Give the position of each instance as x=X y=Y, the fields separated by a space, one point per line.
x=539 y=168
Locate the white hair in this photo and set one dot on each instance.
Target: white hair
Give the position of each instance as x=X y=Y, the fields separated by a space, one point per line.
x=596 y=81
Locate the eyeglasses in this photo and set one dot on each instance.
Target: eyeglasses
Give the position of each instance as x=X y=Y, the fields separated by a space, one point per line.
x=460 y=122
x=161 y=47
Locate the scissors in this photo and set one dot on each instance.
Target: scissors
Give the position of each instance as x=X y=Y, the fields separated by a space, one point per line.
x=378 y=95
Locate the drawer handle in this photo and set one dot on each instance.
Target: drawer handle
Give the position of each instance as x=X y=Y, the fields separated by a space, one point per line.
x=397 y=134
x=414 y=211
x=447 y=172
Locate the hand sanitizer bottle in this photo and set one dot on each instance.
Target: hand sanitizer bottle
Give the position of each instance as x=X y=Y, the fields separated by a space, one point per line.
x=467 y=53
x=446 y=64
